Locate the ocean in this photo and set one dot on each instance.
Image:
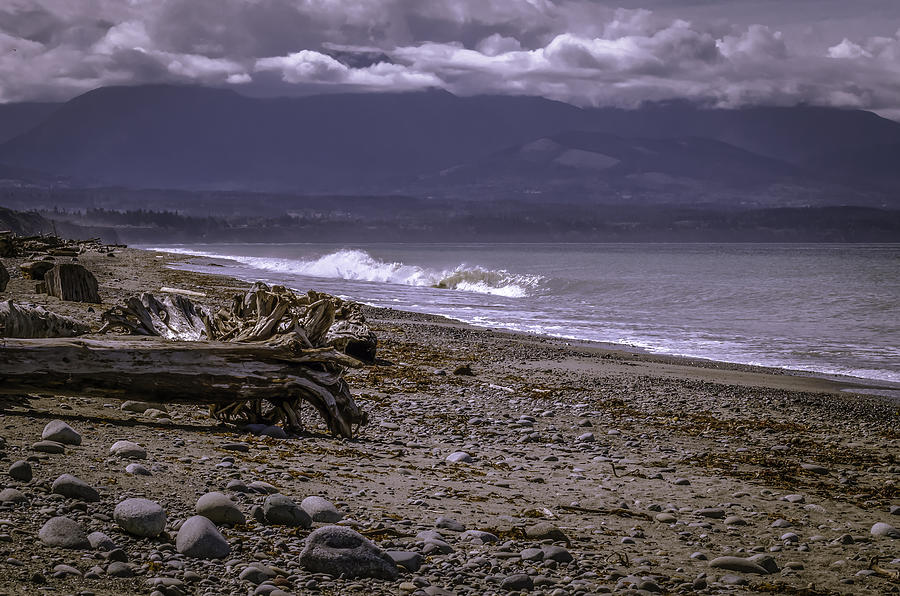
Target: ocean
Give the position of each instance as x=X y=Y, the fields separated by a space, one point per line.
x=823 y=308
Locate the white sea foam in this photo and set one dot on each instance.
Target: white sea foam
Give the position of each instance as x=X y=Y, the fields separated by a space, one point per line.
x=359 y=265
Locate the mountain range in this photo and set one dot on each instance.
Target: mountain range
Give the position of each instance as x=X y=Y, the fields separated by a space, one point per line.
x=433 y=143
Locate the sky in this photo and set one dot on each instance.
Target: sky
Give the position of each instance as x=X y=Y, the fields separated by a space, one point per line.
x=727 y=53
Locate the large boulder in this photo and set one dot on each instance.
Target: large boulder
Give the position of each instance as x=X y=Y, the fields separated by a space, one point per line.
x=63 y=532
x=338 y=550
x=71 y=281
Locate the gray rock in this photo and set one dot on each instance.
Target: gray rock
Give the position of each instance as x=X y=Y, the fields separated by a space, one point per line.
x=219 y=509
x=585 y=438
x=518 y=581
x=449 y=524
x=139 y=407
x=276 y=432
x=815 y=468
x=140 y=517
x=765 y=561
x=480 y=536
x=532 y=554
x=885 y=530
x=11 y=495
x=257 y=573
x=128 y=450
x=62 y=570
x=119 y=569
x=100 y=541
x=49 y=447
x=60 y=432
x=281 y=510
x=258 y=486
x=321 y=510
x=63 y=532
x=735 y=520
x=460 y=457
x=738 y=564
x=21 y=470
x=237 y=486
x=556 y=553
x=712 y=512
x=409 y=560
x=137 y=470
x=337 y=550
x=200 y=539
x=74 y=488
x=545 y=531
x=665 y=518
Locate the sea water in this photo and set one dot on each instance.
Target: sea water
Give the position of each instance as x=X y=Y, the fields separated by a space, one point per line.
x=831 y=309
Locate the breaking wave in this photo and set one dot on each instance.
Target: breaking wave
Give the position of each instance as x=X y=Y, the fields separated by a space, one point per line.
x=358 y=265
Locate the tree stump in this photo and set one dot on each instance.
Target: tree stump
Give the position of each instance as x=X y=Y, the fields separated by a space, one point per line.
x=7 y=248
x=70 y=281
x=4 y=277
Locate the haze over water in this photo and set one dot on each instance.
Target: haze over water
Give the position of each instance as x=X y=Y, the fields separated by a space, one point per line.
x=831 y=309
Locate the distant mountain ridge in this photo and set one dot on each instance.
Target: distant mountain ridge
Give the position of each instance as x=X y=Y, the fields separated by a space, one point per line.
x=163 y=136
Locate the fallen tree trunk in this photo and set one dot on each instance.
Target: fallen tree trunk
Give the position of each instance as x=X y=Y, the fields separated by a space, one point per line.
x=29 y=321
x=215 y=373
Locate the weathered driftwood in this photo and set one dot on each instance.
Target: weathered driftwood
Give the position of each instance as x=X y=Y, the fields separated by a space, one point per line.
x=70 y=281
x=216 y=373
x=7 y=247
x=27 y=321
x=35 y=269
x=267 y=318
x=4 y=277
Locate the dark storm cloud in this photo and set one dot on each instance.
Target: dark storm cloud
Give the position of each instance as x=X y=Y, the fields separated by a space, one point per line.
x=728 y=52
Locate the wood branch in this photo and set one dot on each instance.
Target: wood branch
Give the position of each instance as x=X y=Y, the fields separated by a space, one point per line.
x=28 y=321
x=153 y=369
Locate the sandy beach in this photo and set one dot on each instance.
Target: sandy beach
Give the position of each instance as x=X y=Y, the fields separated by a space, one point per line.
x=586 y=469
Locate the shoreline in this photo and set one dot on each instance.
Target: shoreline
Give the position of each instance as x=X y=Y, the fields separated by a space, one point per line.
x=845 y=383
x=588 y=470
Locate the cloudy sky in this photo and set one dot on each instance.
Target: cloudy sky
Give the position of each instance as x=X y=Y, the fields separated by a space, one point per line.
x=588 y=52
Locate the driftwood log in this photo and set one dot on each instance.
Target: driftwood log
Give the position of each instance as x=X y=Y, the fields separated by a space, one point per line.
x=215 y=373
x=29 y=322
x=35 y=269
x=4 y=277
x=70 y=281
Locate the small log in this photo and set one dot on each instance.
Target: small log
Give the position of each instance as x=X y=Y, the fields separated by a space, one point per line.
x=4 y=277
x=161 y=371
x=35 y=269
x=27 y=321
x=70 y=281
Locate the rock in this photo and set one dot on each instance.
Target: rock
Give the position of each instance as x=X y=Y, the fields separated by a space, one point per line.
x=279 y=509
x=449 y=524
x=585 y=438
x=199 y=538
x=59 y=431
x=137 y=470
x=21 y=470
x=337 y=550
x=885 y=530
x=712 y=512
x=74 y=488
x=665 y=518
x=63 y=532
x=532 y=554
x=100 y=541
x=681 y=482
x=49 y=447
x=128 y=450
x=119 y=569
x=738 y=564
x=219 y=509
x=11 y=495
x=518 y=581
x=63 y=570
x=556 y=553
x=140 y=517
x=814 y=468
x=35 y=269
x=765 y=561
x=321 y=510
x=735 y=520
x=139 y=407
x=409 y=560
x=257 y=573
x=464 y=370
x=258 y=486
x=71 y=281
x=276 y=432
x=241 y=447
x=460 y=457
x=237 y=486
x=480 y=536
x=546 y=531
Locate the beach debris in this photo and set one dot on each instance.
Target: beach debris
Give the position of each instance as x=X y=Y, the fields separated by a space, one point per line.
x=4 y=277
x=195 y=294
x=72 y=282
x=27 y=321
x=36 y=269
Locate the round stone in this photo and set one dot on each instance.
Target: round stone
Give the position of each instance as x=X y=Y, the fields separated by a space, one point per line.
x=136 y=469
x=128 y=450
x=74 y=488
x=886 y=530
x=140 y=517
x=21 y=470
x=63 y=532
x=60 y=432
x=279 y=509
x=219 y=509
x=49 y=447
x=320 y=509
x=199 y=538
x=338 y=550
x=100 y=541
x=11 y=495
x=459 y=457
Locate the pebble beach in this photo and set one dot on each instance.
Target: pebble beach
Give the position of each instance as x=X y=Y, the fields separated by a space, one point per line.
x=493 y=463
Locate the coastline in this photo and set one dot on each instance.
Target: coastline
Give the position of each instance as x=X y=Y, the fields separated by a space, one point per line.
x=650 y=466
